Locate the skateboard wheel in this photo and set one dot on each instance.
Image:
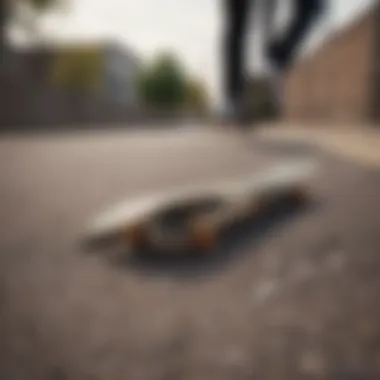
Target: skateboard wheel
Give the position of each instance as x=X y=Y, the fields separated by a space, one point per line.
x=204 y=236
x=300 y=194
x=134 y=235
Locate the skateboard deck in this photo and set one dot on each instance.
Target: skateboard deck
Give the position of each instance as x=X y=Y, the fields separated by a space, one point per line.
x=196 y=216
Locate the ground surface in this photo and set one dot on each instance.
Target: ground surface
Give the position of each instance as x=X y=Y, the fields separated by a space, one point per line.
x=294 y=297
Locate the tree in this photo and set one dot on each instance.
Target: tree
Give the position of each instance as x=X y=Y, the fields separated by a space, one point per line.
x=163 y=83
x=27 y=15
x=22 y=15
x=21 y=12
x=78 y=69
x=42 y=5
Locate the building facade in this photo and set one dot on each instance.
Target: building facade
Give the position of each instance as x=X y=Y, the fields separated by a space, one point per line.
x=340 y=80
x=31 y=96
x=121 y=68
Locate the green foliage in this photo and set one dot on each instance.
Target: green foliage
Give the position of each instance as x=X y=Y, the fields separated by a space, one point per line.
x=22 y=9
x=25 y=16
x=78 y=69
x=163 y=83
x=42 y=5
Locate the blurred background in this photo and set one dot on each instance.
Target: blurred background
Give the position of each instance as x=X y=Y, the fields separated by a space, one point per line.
x=85 y=61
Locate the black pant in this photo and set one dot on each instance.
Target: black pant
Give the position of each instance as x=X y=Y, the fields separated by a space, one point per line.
x=281 y=52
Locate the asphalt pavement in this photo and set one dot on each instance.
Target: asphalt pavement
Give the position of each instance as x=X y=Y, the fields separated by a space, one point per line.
x=290 y=296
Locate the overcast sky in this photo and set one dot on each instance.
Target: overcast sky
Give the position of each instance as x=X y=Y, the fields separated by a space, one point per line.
x=191 y=28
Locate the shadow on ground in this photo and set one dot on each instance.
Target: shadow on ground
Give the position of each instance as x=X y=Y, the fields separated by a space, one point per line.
x=235 y=244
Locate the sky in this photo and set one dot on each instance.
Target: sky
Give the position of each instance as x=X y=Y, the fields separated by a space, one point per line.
x=191 y=28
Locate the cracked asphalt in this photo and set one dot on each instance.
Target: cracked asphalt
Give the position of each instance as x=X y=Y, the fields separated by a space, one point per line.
x=292 y=296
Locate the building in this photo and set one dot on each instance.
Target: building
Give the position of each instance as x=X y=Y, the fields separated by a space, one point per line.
x=121 y=67
x=340 y=80
x=95 y=87
x=31 y=65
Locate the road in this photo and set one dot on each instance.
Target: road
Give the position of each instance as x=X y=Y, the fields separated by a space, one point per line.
x=292 y=297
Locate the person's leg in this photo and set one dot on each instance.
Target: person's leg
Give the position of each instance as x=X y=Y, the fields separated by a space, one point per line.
x=237 y=13
x=306 y=13
x=282 y=51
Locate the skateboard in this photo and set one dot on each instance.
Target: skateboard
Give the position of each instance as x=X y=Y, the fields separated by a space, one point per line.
x=197 y=216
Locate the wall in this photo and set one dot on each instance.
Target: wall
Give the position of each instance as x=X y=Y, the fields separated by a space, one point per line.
x=32 y=108
x=121 y=70
x=29 y=101
x=29 y=104
x=334 y=83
